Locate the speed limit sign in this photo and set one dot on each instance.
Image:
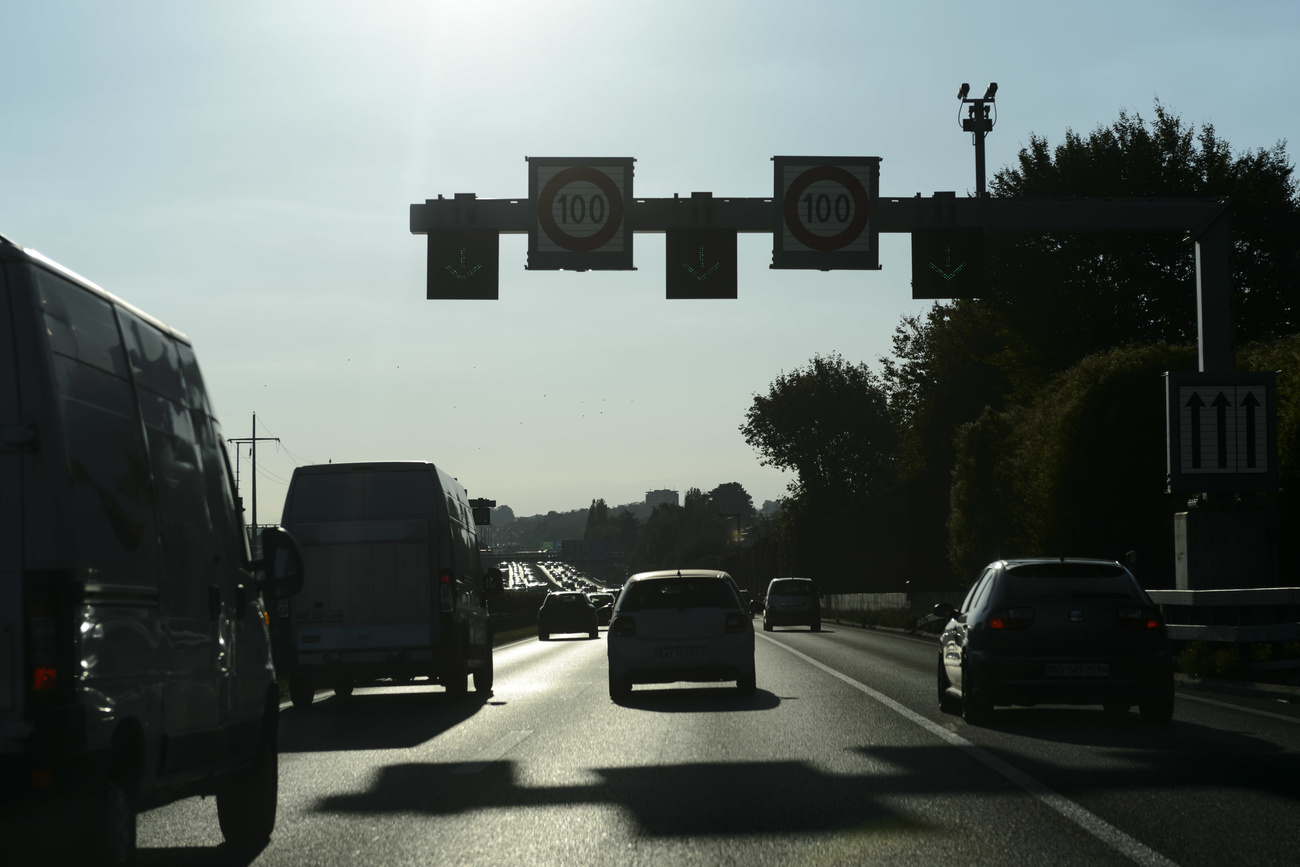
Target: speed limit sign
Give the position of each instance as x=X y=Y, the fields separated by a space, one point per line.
x=580 y=213
x=823 y=213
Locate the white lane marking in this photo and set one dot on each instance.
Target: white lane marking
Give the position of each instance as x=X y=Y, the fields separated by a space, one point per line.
x=1094 y=825
x=1239 y=707
x=490 y=754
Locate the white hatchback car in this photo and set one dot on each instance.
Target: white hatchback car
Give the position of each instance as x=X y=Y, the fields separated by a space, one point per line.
x=680 y=625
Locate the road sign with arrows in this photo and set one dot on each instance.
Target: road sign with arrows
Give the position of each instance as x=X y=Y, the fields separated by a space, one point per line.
x=463 y=264
x=947 y=263
x=1222 y=432
x=701 y=263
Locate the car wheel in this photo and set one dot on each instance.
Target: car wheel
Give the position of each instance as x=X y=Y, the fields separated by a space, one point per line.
x=816 y=626
x=543 y=636
x=343 y=688
x=947 y=702
x=246 y=809
x=975 y=710
x=301 y=691
x=747 y=683
x=767 y=627
x=1116 y=710
x=483 y=676
x=1158 y=711
x=620 y=689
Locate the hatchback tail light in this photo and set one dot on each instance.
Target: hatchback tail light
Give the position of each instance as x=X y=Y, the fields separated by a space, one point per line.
x=623 y=626
x=737 y=622
x=43 y=647
x=1011 y=618
x=1136 y=618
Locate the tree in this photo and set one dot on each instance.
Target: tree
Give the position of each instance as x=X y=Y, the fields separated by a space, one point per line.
x=830 y=424
x=731 y=498
x=1068 y=296
x=682 y=536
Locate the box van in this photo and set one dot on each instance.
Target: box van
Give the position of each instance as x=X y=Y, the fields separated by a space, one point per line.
x=135 y=664
x=394 y=589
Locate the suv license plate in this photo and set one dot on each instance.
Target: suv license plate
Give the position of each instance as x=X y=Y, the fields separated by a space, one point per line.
x=1078 y=669
x=681 y=652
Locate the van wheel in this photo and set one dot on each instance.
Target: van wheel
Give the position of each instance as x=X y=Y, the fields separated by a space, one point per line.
x=246 y=808
x=483 y=676
x=111 y=840
x=456 y=679
x=301 y=691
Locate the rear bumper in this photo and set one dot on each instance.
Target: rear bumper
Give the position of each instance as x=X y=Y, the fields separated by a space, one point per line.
x=791 y=618
x=1128 y=679
x=636 y=660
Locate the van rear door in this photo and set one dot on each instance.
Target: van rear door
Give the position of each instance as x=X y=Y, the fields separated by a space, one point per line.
x=12 y=436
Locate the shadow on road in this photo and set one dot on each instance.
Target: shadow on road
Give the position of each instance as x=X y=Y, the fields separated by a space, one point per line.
x=699 y=699
x=374 y=721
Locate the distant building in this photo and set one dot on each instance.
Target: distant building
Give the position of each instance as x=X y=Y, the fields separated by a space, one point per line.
x=658 y=498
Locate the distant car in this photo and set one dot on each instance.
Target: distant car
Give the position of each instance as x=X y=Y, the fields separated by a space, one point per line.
x=792 y=602
x=566 y=611
x=1064 y=631
x=680 y=625
x=604 y=603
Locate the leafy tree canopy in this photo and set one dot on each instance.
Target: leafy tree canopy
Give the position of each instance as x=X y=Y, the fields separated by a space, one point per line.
x=830 y=424
x=731 y=498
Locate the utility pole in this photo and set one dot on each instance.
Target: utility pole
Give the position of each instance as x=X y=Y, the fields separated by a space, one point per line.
x=979 y=124
x=254 y=439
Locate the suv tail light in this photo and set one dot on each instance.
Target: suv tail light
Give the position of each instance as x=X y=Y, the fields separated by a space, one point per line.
x=736 y=622
x=43 y=646
x=1011 y=618
x=1136 y=618
x=623 y=626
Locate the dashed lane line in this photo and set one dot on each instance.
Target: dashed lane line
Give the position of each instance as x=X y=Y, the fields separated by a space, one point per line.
x=1107 y=833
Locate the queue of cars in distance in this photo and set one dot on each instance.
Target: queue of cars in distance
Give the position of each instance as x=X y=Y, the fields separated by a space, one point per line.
x=1063 y=631
x=680 y=625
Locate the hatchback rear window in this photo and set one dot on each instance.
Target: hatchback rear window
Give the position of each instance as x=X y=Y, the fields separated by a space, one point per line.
x=792 y=588
x=1070 y=581
x=678 y=593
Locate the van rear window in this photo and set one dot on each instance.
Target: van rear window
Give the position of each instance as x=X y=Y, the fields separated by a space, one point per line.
x=366 y=496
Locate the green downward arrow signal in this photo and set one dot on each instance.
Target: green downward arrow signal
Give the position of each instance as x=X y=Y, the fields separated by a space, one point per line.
x=947 y=261
x=463 y=272
x=703 y=272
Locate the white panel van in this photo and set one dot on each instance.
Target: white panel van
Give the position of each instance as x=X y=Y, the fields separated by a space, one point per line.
x=394 y=592
x=135 y=664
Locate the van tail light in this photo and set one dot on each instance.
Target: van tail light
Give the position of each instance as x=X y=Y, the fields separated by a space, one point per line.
x=736 y=622
x=447 y=591
x=1011 y=618
x=1136 y=618
x=43 y=646
x=623 y=626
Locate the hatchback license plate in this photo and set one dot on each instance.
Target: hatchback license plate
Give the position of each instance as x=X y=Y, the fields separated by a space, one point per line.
x=681 y=652
x=1078 y=669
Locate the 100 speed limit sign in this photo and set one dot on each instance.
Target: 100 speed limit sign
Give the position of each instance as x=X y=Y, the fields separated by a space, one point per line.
x=823 y=212
x=580 y=210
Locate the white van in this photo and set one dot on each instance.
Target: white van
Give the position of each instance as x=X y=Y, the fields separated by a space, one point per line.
x=394 y=589
x=135 y=664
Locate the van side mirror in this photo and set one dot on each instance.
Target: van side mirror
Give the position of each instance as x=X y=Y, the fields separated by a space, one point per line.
x=281 y=564
x=493 y=582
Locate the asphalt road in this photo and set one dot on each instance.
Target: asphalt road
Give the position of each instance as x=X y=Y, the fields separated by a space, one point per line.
x=842 y=757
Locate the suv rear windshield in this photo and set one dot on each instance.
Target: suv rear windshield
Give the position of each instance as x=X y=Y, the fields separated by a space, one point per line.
x=363 y=496
x=791 y=588
x=1070 y=581
x=678 y=593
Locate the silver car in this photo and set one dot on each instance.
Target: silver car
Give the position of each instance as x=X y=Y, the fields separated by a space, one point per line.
x=680 y=625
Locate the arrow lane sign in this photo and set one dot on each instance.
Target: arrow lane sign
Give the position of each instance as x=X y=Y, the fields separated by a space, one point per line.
x=703 y=273
x=1195 y=403
x=1250 y=403
x=1221 y=405
x=463 y=272
x=947 y=262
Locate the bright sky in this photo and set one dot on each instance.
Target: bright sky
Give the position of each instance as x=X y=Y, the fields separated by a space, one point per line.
x=244 y=172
